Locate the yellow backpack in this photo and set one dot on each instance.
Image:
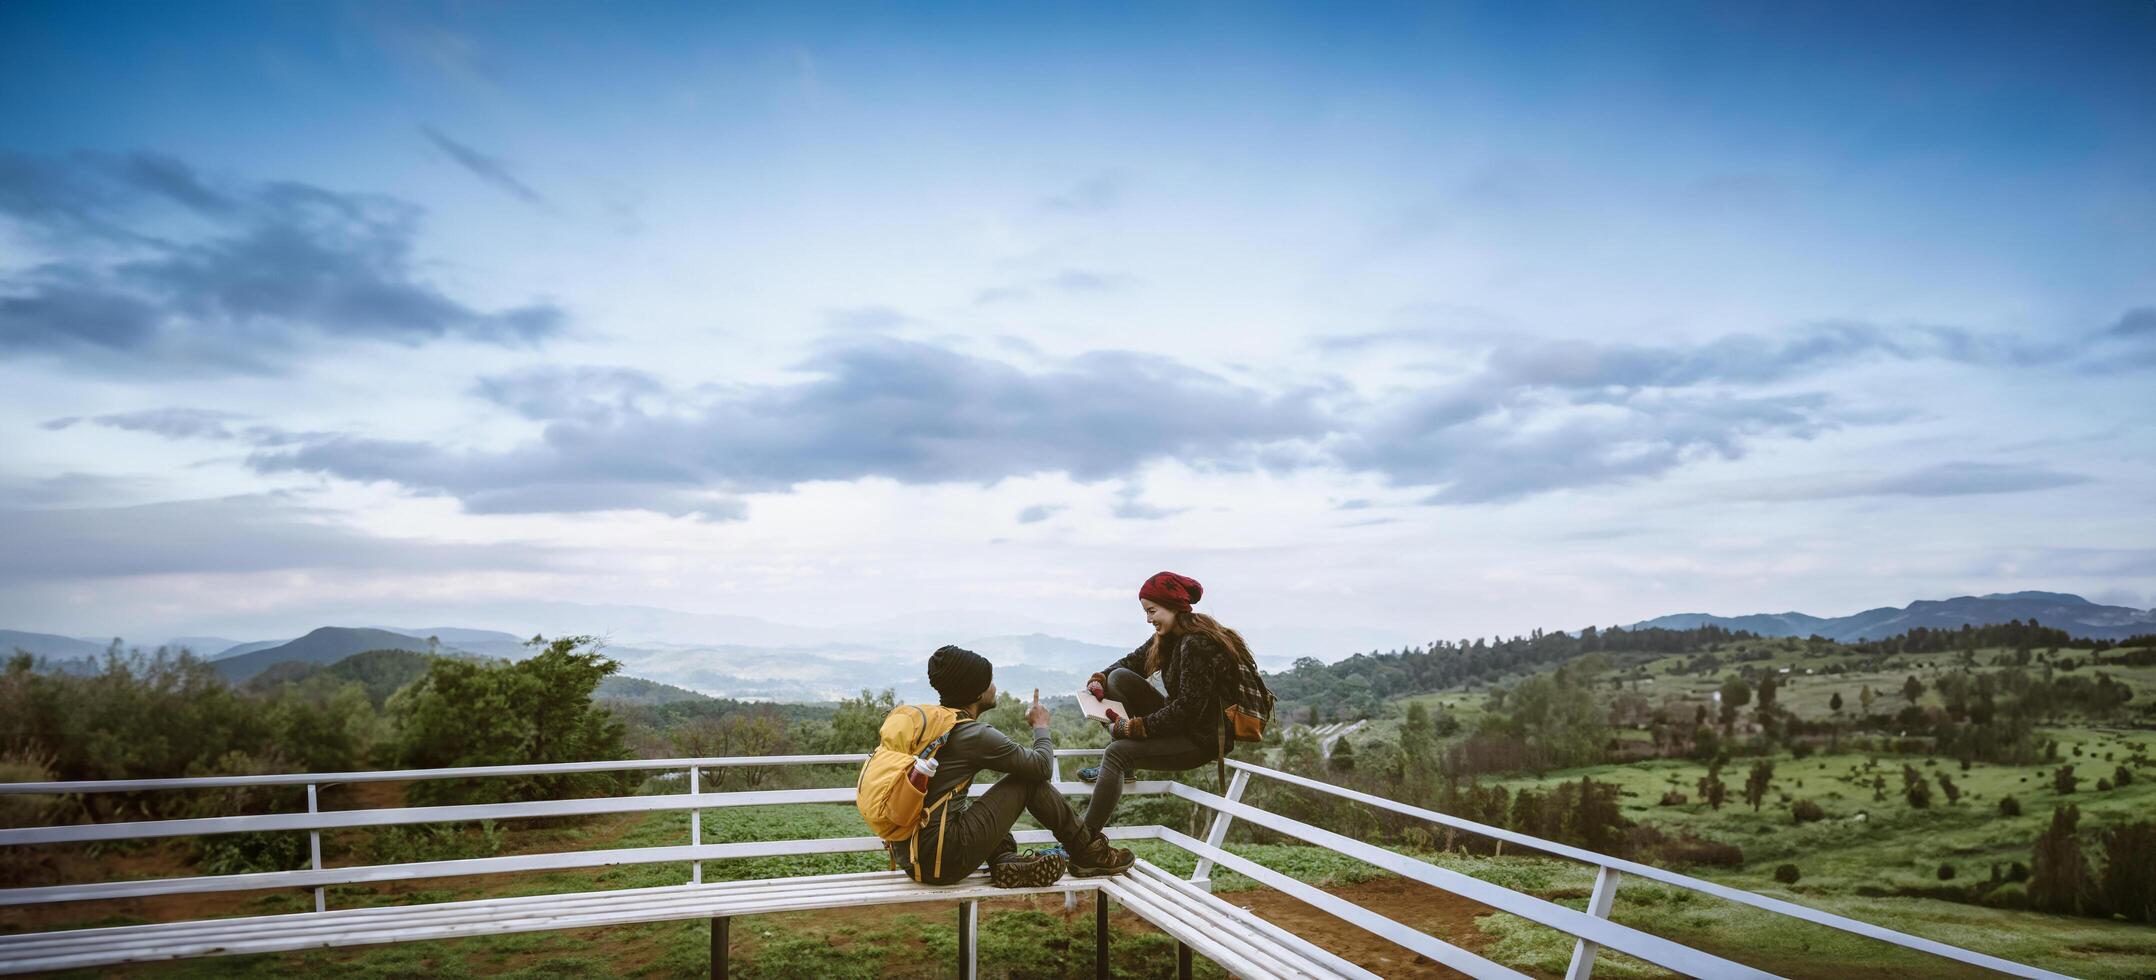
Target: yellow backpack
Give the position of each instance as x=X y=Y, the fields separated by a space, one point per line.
x=894 y=808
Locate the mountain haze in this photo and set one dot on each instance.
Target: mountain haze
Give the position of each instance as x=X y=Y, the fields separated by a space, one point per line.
x=50 y=646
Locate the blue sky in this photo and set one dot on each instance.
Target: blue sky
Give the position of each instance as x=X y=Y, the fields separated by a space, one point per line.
x=1389 y=322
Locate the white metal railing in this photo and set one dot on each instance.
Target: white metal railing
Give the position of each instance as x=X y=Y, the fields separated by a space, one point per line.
x=1609 y=870
x=1592 y=929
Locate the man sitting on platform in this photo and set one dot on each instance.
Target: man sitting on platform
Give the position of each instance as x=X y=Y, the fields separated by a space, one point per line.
x=979 y=829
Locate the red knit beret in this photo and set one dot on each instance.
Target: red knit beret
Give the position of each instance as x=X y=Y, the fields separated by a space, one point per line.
x=1174 y=591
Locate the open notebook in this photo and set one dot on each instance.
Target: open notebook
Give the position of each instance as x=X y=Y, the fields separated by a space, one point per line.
x=1097 y=709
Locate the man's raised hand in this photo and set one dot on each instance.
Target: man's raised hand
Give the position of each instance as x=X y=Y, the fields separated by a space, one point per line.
x=1037 y=716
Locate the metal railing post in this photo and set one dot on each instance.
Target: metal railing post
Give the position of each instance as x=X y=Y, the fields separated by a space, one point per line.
x=314 y=846
x=1598 y=905
x=722 y=946
x=969 y=927
x=1203 y=876
x=1100 y=934
x=696 y=826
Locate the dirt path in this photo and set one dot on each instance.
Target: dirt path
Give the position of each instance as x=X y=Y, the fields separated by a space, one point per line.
x=1441 y=914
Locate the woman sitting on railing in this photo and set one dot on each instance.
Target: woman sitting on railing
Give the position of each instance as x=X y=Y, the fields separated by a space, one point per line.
x=1190 y=651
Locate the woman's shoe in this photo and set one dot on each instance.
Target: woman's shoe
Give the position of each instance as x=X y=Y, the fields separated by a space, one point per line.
x=1036 y=869
x=1100 y=859
x=1091 y=774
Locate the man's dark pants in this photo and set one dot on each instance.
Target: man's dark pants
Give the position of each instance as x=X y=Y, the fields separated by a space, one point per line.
x=1168 y=752
x=983 y=829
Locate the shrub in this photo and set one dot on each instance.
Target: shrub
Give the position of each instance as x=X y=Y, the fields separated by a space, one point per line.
x=1806 y=811
x=2008 y=896
x=2063 y=780
x=2009 y=807
x=1801 y=750
x=432 y=842
x=2103 y=786
x=1787 y=874
x=247 y=853
x=2017 y=871
x=2122 y=777
x=1674 y=798
x=24 y=810
x=1946 y=872
x=1699 y=850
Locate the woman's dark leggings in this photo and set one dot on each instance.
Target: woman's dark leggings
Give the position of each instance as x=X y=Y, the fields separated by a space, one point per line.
x=1176 y=752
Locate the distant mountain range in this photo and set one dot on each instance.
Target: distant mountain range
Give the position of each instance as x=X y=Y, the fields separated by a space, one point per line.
x=828 y=671
x=2058 y=610
x=782 y=666
x=820 y=672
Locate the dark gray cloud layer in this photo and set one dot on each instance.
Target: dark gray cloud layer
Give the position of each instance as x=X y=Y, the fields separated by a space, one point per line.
x=1532 y=417
x=906 y=411
x=151 y=265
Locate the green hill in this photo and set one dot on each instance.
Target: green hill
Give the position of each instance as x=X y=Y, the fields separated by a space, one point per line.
x=323 y=647
x=636 y=690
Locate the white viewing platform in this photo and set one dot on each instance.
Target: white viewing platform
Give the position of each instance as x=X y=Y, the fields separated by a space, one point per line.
x=1239 y=941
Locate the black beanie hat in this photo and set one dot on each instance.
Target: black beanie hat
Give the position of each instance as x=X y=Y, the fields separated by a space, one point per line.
x=959 y=676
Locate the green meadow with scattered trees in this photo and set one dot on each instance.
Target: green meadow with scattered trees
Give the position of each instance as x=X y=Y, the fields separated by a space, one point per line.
x=1989 y=787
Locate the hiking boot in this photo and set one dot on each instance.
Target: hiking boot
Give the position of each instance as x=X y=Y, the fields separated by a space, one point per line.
x=1035 y=869
x=1100 y=859
x=1091 y=774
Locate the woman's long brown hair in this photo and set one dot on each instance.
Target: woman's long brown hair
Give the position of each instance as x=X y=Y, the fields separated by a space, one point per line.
x=1201 y=625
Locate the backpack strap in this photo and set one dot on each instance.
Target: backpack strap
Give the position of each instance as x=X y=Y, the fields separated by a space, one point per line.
x=1221 y=761
x=943 y=819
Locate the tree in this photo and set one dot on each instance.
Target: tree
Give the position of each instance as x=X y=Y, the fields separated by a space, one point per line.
x=1865 y=697
x=1757 y=783
x=760 y=731
x=1711 y=788
x=1918 y=793
x=1765 y=713
x=1556 y=715
x=482 y=713
x=1735 y=694
x=1343 y=757
x=1953 y=792
x=2129 y=881
x=854 y=726
x=2059 y=872
x=1912 y=689
x=1835 y=703
x=1418 y=756
x=2063 y=780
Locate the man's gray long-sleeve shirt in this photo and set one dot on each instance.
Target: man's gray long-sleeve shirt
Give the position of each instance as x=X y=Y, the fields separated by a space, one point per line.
x=975 y=746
